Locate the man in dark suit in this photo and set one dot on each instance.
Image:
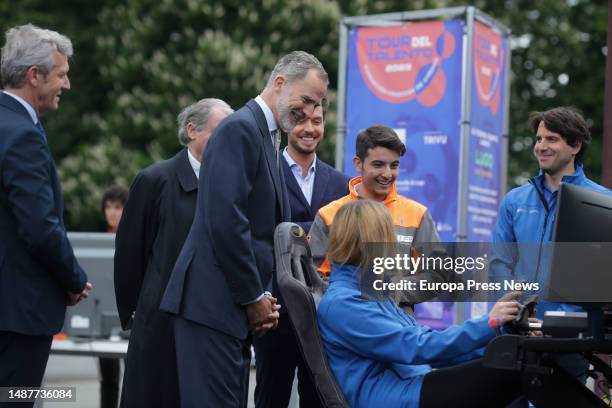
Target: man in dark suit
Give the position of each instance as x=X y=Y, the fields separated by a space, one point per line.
x=218 y=286
x=39 y=274
x=153 y=228
x=311 y=184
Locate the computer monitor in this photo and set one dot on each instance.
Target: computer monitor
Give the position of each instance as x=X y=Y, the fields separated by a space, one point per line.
x=96 y=316
x=581 y=265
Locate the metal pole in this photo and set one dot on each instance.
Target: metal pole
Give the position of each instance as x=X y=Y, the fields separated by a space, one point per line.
x=606 y=162
x=506 y=136
x=404 y=16
x=466 y=111
x=487 y=20
x=341 y=120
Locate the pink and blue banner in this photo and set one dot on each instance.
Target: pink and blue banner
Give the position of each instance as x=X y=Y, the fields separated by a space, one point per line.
x=408 y=77
x=486 y=147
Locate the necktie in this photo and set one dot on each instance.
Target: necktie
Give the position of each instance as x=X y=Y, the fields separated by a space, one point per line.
x=42 y=130
x=276 y=139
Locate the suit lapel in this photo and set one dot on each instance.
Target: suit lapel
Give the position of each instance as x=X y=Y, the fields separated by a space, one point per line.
x=286 y=206
x=12 y=104
x=320 y=185
x=292 y=183
x=260 y=119
x=184 y=172
x=54 y=180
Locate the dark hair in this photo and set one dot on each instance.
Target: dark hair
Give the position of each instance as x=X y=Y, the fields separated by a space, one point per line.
x=324 y=106
x=566 y=121
x=378 y=136
x=114 y=193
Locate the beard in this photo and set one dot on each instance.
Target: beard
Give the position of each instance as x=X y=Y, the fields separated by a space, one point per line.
x=296 y=146
x=285 y=120
x=289 y=116
x=557 y=166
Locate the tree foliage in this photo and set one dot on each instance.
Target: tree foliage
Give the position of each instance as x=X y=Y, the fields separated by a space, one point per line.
x=139 y=62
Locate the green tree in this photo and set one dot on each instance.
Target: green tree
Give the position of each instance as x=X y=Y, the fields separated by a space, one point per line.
x=156 y=57
x=137 y=63
x=93 y=167
x=164 y=55
x=72 y=129
x=558 y=59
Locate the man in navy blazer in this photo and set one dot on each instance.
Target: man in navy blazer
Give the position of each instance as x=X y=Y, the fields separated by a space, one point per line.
x=39 y=274
x=311 y=184
x=218 y=288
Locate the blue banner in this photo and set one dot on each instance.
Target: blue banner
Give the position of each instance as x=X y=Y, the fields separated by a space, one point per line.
x=408 y=77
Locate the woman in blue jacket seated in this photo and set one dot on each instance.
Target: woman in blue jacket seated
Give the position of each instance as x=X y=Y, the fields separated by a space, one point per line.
x=380 y=356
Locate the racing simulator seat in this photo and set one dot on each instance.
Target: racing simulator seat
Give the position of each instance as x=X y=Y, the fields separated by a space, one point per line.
x=302 y=288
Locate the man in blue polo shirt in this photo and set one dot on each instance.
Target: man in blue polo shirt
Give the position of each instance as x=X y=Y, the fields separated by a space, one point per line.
x=526 y=216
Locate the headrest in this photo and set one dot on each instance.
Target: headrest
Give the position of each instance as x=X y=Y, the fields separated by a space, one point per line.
x=294 y=259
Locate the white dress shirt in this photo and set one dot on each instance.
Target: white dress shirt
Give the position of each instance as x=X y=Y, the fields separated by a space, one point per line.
x=269 y=116
x=195 y=163
x=306 y=182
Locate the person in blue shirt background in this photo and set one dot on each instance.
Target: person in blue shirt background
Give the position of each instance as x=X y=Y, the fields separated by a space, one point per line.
x=380 y=356
x=521 y=249
x=526 y=215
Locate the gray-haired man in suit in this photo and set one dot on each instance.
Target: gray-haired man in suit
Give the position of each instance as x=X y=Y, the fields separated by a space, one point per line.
x=218 y=286
x=39 y=274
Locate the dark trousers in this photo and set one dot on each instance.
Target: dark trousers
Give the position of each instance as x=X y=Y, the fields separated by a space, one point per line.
x=470 y=385
x=213 y=367
x=277 y=355
x=23 y=360
x=110 y=371
x=152 y=335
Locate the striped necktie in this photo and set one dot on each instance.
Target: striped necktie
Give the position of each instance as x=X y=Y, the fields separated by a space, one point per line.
x=276 y=140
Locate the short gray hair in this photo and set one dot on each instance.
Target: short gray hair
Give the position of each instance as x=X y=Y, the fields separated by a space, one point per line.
x=28 y=45
x=295 y=66
x=198 y=115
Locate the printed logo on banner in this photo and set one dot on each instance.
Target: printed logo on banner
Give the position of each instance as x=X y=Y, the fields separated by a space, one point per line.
x=402 y=63
x=488 y=64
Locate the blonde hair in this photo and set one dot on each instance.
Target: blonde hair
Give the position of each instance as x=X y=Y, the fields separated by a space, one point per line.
x=356 y=227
